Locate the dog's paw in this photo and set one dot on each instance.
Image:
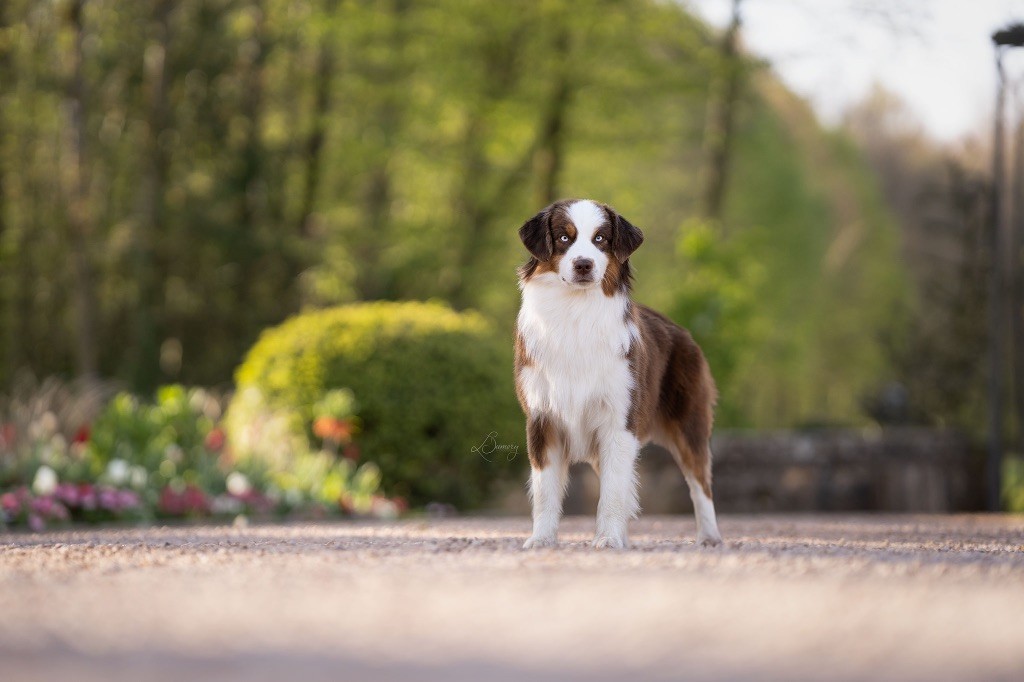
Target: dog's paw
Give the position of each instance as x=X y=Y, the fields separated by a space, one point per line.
x=709 y=540
x=608 y=542
x=537 y=542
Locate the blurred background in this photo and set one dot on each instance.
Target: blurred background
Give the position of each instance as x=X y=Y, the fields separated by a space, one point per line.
x=814 y=180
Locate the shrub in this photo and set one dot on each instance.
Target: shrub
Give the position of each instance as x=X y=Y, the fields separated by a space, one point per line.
x=430 y=384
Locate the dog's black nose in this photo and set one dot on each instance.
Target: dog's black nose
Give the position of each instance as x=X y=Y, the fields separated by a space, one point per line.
x=583 y=266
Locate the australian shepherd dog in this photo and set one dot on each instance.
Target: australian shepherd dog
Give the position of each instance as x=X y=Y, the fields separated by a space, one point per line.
x=598 y=376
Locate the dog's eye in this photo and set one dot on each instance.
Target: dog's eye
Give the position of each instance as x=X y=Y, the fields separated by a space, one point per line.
x=564 y=238
x=599 y=238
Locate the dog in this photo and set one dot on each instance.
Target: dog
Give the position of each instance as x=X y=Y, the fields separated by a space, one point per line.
x=598 y=376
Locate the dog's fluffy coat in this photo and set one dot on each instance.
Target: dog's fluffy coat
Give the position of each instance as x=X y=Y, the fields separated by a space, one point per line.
x=598 y=375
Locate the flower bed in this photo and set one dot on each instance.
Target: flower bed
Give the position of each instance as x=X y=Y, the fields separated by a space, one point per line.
x=79 y=459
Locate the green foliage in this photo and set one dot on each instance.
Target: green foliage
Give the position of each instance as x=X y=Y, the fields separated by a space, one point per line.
x=246 y=160
x=167 y=439
x=718 y=303
x=272 y=444
x=1013 y=484
x=167 y=458
x=808 y=234
x=172 y=443
x=338 y=403
x=431 y=384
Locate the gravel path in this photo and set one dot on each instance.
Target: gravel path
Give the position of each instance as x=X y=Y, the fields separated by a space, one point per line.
x=794 y=597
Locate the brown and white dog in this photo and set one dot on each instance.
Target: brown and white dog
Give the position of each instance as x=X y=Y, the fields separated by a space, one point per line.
x=598 y=375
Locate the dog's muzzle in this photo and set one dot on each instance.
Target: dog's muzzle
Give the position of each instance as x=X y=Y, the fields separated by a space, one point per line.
x=583 y=270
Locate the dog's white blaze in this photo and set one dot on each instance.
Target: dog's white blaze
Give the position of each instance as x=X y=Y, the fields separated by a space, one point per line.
x=588 y=218
x=578 y=340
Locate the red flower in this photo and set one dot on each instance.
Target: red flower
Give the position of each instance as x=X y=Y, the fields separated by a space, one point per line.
x=7 y=434
x=215 y=440
x=82 y=435
x=86 y=496
x=330 y=428
x=191 y=500
x=9 y=503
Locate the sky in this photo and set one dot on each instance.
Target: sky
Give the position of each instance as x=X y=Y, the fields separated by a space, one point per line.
x=936 y=55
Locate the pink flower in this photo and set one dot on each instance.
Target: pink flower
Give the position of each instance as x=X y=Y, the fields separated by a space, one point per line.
x=127 y=499
x=60 y=512
x=42 y=506
x=9 y=503
x=108 y=499
x=67 y=493
x=36 y=523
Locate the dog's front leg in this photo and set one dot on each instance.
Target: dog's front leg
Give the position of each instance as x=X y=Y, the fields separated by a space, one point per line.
x=549 y=472
x=619 y=502
x=547 y=488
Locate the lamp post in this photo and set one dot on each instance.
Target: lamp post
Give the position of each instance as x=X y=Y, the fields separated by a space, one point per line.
x=1003 y=39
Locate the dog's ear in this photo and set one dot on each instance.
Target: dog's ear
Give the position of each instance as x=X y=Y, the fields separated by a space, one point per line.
x=626 y=237
x=536 y=236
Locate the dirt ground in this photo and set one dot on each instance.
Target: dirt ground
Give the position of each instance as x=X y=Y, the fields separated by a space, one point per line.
x=793 y=597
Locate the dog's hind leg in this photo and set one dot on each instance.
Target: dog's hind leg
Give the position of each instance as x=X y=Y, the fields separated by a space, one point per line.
x=695 y=463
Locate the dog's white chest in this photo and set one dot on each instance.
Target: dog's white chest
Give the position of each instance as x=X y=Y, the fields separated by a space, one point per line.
x=578 y=372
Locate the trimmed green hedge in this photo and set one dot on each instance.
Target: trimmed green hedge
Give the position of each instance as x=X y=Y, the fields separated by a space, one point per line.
x=429 y=383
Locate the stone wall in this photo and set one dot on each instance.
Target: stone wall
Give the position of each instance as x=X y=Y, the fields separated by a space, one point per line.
x=899 y=470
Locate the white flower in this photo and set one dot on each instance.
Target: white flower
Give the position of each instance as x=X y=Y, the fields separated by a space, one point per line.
x=174 y=454
x=139 y=477
x=59 y=444
x=45 y=481
x=117 y=471
x=225 y=504
x=237 y=484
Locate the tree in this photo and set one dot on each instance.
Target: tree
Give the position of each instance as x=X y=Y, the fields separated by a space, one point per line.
x=721 y=118
x=76 y=171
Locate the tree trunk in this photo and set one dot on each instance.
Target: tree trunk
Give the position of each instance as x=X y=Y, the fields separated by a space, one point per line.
x=249 y=246
x=7 y=365
x=480 y=191
x=549 y=155
x=1015 y=286
x=718 y=138
x=315 y=141
x=371 y=282
x=76 y=173
x=305 y=251
x=145 y=369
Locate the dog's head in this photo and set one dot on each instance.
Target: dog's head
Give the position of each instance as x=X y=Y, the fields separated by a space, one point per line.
x=582 y=244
